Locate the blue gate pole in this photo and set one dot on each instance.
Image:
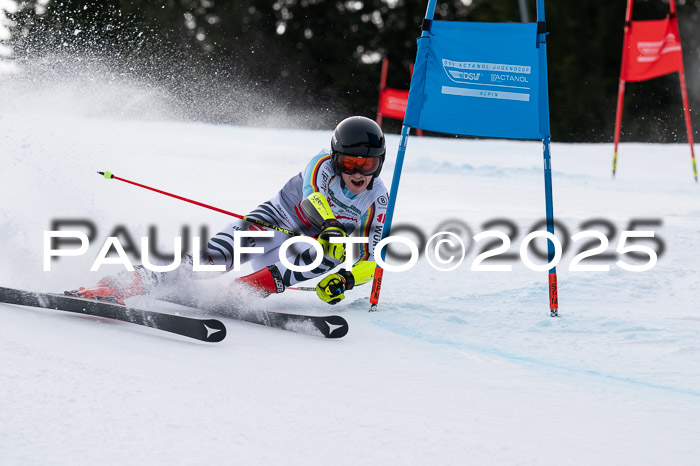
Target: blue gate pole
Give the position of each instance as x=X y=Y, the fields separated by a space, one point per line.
x=395 y=184
x=405 y=130
x=553 y=292
x=544 y=128
x=379 y=272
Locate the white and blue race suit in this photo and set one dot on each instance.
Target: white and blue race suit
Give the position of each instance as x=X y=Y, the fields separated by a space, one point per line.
x=362 y=214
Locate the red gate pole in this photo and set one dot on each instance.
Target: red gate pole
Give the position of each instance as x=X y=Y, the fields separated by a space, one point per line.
x=621 y=87
x=382 y=85
x=688 y=125
x=684 y=94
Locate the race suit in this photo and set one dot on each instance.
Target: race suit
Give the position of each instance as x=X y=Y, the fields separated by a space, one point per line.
x=362 y=213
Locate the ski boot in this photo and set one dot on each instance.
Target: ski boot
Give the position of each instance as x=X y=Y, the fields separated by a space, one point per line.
x=264 y=282
x=114 y=288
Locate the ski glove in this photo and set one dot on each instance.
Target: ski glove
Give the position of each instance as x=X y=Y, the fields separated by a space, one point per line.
x=333 y=229
x=331 y=288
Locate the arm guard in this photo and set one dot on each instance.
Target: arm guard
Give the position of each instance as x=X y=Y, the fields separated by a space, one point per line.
x=361 y=273
x=318 y=211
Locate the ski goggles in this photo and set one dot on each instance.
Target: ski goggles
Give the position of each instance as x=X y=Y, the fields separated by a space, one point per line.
x=364 y=165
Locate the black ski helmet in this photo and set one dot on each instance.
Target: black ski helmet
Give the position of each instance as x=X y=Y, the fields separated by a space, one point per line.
x=360 y=137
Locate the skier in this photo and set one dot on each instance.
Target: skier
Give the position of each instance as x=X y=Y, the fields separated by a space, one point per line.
x=337 y=193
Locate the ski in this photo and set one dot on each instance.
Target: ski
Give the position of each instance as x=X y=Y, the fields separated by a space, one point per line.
x=327 y=326
x=209 y=330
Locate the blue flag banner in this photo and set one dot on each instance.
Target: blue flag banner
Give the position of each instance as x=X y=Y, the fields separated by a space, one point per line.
x=480 y=79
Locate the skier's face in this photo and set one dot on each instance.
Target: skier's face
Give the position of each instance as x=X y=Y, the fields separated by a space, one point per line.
x=356 y=182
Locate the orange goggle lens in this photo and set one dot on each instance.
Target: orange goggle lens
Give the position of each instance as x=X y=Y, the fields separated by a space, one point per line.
x=365 y=165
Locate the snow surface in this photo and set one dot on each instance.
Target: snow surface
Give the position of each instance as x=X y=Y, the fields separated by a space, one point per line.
x=458 y=367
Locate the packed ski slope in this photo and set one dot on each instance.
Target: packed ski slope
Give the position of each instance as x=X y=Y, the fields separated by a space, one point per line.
x=459 y=367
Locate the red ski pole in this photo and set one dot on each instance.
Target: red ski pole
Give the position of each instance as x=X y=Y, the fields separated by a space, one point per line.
x=111 y=176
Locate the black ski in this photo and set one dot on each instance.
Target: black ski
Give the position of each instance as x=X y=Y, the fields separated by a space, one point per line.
x=326 y=326
x=209 y=330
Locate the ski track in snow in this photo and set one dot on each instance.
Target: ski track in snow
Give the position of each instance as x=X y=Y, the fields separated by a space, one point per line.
x=459 y=367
